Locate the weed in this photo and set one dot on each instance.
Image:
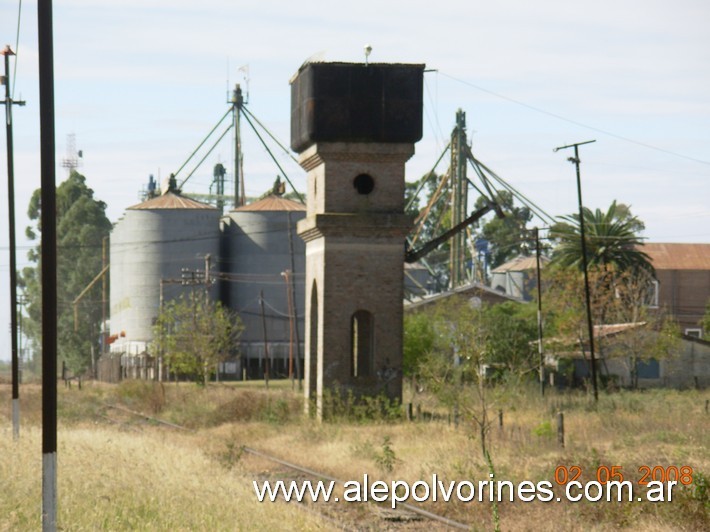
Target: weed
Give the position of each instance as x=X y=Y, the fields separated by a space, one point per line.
x=231 y=454
x=146 y=396
x=701 y=489
x=363 y=450
x=348 y=407
x=544 y=430
x=386 y=458
x=275 y=411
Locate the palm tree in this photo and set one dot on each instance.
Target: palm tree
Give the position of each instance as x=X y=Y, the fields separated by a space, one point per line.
x=611 y=240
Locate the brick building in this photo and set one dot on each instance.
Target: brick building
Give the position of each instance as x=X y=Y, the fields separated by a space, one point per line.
x=683 y=286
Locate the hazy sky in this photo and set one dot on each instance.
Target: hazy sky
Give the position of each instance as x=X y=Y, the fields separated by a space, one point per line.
x=141 y=82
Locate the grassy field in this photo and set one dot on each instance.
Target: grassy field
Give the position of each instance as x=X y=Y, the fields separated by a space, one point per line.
x=123 y=472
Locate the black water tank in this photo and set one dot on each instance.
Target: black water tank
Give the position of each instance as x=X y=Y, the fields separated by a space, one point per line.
x=355 y=102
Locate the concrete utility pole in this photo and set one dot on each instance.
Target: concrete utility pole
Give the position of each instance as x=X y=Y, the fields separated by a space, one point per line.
x=590 y=326
x=49 y=264
x=539 y=313
x=8 y=102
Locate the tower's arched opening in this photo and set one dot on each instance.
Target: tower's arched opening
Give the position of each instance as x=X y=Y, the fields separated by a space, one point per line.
x=362 y=346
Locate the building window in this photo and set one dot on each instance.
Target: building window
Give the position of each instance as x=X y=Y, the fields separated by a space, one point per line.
x=695 y=333
x=653 y=293
x=648 y=369
x=362 y=348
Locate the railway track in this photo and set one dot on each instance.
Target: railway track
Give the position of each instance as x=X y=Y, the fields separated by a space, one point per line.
x=340 y=515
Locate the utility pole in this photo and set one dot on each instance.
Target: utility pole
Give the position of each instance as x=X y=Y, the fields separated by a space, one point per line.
x=539 y=313
x=8 y=102
x=208 y=281
x=104 y=296
x=286 y=275
x=590 y=326
x=267 y=361
x=48 y=197
x=293 y=300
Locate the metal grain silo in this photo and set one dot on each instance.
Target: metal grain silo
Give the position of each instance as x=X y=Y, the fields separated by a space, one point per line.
x=261 y=244
x=155 y=240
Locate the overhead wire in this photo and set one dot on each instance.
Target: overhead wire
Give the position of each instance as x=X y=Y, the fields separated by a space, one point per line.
x=527 y=201
x=576 y=122
x=425 y=178
x=266 y=147
x=278 y=143
x=17 y=49
x=436 y=126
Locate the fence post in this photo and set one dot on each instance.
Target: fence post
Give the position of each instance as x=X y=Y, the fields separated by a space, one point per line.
x=500 y=418
x=561 y=429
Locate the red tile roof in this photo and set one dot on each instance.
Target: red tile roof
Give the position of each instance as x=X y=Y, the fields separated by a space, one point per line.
x=678 y=256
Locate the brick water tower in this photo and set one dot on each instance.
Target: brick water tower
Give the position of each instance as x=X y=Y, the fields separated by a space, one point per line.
x=354 y=126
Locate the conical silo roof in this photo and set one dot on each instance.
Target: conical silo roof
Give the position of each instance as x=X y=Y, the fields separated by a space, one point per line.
x=171 y=200
x=272 y=203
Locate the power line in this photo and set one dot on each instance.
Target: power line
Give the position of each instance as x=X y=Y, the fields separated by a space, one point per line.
x=575 y=122
x=17 y=48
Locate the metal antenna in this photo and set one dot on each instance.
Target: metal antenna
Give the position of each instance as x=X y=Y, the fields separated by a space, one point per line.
x=71 y=162
x=590 y=327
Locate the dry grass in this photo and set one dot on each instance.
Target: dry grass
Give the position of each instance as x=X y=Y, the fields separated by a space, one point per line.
x=131 y=475
x=110 y=479
x=627 y=429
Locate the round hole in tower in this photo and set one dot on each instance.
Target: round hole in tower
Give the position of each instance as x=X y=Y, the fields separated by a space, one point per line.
x=364 y=184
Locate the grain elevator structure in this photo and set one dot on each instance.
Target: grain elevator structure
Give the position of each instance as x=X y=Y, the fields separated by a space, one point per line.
x=152 y=246
x=250 y=259
x=263 y=264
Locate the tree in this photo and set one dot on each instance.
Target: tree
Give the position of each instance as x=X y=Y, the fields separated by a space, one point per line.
x=611 y=239
x=509 y=236
x=411 y=201
x=457 y=343
x=705 y=322
x=620 y=298
x=656 y=338
x=431 y=220
x=418 y=342
x=81 y=227
x=452 y=371
x=193 y=335
x=511 y=332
